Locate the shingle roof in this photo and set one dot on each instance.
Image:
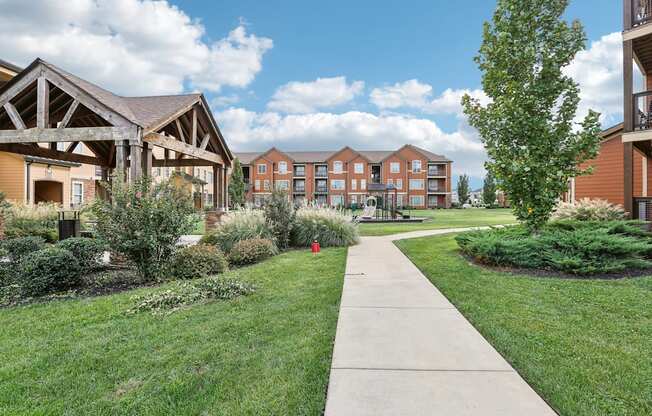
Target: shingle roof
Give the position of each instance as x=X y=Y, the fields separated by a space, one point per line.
x=143 y=111
x=10 y=66
x=374 y=156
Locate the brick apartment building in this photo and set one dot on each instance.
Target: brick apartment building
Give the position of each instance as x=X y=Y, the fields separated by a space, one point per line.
x=344 y=177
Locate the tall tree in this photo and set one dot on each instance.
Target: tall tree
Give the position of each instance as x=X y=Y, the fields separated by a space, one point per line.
x=236 y=186
x=528 y=127
x=463 y=191
x=489 y=189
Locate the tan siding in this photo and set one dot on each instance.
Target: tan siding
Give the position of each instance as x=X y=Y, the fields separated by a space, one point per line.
x=12 y=176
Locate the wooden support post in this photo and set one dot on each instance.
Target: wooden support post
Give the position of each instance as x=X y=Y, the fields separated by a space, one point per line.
x=43 y=103
x=71 y=111
x=225 y=188
x=193 y=140
x=14 y=116
x=135 y=160
x=147 y=159
x=120 y=158
x=628 y=114
x=216 y=188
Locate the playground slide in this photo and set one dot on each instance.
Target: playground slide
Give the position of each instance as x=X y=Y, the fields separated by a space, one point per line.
x=369 y=212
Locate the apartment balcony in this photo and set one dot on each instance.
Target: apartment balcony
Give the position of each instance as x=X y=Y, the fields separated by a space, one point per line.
x=321 y=173
x=435 y=171
x=642 y=113
x=321 y=189
x=641 y=12
x=299 y=171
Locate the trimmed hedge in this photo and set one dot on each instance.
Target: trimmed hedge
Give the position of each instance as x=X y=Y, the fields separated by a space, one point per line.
x=87 y=251
x=198 y=261
x=48 y=270
x=252 y=251
x=18 y=248
x=575 y=247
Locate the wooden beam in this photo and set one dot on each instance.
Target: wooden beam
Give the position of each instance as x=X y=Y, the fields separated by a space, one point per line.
x=18 y=87
x=121 y=158
x=179 y=147
x=136 y=161
x=71 y=111
x=76 y=134
x=148 y=158
x=205 y=140
x=42 y=103
x=216 y=188
x=22 y=149
x=193 y=140
x=14 y=116
x=179 y=130
x=71 y=147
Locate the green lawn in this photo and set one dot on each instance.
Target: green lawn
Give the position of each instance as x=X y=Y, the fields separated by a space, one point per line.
x=443 y=218
x=585 y=346
x=265 y=354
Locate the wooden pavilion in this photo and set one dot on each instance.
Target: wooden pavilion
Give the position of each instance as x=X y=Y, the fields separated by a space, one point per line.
x=44 y=104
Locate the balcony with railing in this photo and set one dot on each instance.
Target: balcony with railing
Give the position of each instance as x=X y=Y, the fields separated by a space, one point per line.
x=434 y=186
x=321 y=171
x=641 y=12
x=321 y=187
x=436 y=170
x=642 y=110
x=299 y=187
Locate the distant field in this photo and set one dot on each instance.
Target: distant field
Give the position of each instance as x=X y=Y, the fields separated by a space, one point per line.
x=443 y=218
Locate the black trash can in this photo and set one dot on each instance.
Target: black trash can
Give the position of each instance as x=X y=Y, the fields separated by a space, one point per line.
x=69 y=224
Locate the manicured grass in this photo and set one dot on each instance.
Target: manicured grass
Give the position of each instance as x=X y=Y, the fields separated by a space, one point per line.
x=264 y=354
x=443 y=218
x=583 y=345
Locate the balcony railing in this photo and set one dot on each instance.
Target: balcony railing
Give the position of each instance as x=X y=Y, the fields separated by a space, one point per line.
x=321 y=173
x=641 y=12
x=642 y=209
x=436 y=172
x=321 y=189
x=643 y=110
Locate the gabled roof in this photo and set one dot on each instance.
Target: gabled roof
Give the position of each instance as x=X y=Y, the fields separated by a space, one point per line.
x=432 y=157
x=612 y=132
x=10 y=66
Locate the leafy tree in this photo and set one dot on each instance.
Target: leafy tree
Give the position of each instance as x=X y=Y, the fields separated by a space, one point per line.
x=236 y=185
x=463 y=191
x=143 y=222
x=280 y=216
x=489 y=189
x=528 y=127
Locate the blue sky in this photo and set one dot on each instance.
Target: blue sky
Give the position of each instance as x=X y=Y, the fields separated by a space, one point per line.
x=304 y=74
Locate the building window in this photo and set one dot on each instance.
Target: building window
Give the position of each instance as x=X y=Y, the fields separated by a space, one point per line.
x=358 y=168
x=354 y=184
x=416 y=200
x=338 y=167
x=300 y=171
x=416 y=166
x=77 y=193
x=157 y=172
x=395 y=167
x=283 y=185
x=262 y=169
x=266 y=185
x=167 y=172
x=257 y=185
x=416 y=184
x=209 y=177
x=363 y=184
x=399 y=201
x=338 y=184
x=282 y=167
x=337 y=200
x=321 y=171
x=390 y=182
x=399 y=184
x=354 y=199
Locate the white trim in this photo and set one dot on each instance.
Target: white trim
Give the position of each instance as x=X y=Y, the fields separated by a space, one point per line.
x=637 y=136
x=72 y=192
x=637 y=32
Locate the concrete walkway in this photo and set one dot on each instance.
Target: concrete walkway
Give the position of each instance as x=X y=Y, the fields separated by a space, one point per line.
x=403 y=349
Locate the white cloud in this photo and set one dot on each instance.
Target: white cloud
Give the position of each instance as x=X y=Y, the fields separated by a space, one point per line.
x=417 y=95
x=131 y=47
x=599 y=71
x=247 y=130
x=306 y=97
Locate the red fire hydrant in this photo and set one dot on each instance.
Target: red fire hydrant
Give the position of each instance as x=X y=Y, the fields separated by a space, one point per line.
x=315 y=247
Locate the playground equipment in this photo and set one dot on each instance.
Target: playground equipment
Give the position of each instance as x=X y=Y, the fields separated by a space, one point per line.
x=369 y=208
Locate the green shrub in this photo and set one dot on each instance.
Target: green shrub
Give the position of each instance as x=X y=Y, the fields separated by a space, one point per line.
x=589 y=210
x=330 y=227
x=568 y=247
x=243 y=224
x=198 y=261
x=188 y=293
x=252 y=251
x=32 y=220
x=279 y=214
x=87 y=251
x=144 y=221
x=48 y=270
x=18 y=248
